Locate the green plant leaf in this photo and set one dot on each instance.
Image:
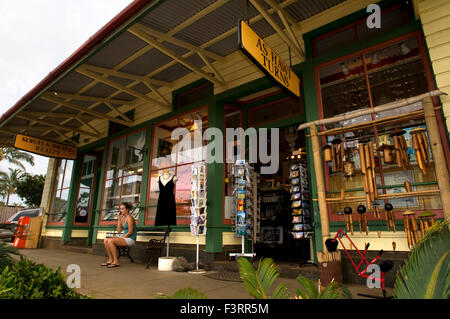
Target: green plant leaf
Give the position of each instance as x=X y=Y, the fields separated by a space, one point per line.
x=311 y=290
x=425 y=273
x=331 y=291
x=259 y=282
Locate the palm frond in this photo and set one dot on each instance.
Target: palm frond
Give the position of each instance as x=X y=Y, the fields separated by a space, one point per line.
x=331 y=291
x=259 y=282
x=425 y=273
x=310 y=289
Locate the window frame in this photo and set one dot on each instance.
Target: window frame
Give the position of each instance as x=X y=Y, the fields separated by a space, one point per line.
x=92 y=190
x=147 y=205
x=354 y=26
x=55 y=189
x=228 y=221
x=362 y=53
x=105 y=179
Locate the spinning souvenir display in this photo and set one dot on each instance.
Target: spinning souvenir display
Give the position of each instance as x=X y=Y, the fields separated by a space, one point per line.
x=299 y=188
x=198 y=199
x=245 y=204
x=198 y=205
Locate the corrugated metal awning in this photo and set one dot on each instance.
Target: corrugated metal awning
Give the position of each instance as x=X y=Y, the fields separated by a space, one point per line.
x=157 y=44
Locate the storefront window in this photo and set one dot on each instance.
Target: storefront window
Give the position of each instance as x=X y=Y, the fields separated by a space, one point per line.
x=370 y=78
x=168 y=154
x=234 y=120
x=391 y=18
x=274 y=111
x=87 y=182
x=123 y=174
x=60 y=196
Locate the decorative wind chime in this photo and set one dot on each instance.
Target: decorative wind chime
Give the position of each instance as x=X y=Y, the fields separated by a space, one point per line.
x=362 y=219
x=411 y=230
x=400 y=148
x=367 y=161
x=420 y=146
x=348 y=219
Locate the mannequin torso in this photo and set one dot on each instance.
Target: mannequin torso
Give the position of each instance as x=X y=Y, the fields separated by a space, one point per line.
x=166 y=177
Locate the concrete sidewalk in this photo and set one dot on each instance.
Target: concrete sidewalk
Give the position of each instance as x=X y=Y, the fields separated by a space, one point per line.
x=134 y=281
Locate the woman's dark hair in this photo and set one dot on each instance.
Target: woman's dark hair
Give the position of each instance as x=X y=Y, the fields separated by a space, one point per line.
x=128 y=206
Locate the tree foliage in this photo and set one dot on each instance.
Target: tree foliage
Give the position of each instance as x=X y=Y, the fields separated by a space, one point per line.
x=16 y=157
x=30 y=188
x=9 y=182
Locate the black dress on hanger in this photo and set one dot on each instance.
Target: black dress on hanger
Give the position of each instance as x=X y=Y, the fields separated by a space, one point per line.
x=166 y=209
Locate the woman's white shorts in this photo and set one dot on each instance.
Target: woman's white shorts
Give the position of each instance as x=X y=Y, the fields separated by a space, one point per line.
x=130 y=241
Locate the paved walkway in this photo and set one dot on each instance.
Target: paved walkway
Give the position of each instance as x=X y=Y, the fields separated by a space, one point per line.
x=134 y=281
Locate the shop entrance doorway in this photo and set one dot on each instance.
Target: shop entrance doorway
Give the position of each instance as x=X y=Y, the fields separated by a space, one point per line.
x=272 y=221
x=276 y=203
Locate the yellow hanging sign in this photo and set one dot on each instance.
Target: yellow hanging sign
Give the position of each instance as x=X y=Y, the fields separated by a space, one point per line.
x=44 y=147
x=260 y=52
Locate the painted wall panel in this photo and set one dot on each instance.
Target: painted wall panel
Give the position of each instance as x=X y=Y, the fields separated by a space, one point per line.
x=435 y=18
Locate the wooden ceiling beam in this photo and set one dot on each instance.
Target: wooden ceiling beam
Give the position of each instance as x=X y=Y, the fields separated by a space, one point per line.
x=164 y=37
x=86 y=72
x=252 y=21
x=287 y=19
x=153 y=42
x=197 y=16
x=125 y=75
x=59 y=115
x=64 y=138
x=65 y=128
x=99 y=115
x=87 y=98
x=267 y=16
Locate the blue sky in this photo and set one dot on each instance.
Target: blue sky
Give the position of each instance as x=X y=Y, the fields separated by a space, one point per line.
x=36 y=37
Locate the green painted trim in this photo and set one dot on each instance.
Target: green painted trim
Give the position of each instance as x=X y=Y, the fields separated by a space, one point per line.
x=214 y=185
x=54 y=227
x=90 y=54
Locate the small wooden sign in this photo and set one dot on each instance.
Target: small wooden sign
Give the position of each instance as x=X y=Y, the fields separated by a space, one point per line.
x=44 y=147
x=266 y=59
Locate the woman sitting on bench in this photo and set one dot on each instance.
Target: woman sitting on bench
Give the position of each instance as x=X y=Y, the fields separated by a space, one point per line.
x=126 y=223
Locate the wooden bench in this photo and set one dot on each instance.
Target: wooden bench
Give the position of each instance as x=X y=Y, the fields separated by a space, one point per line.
x=155 y=246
